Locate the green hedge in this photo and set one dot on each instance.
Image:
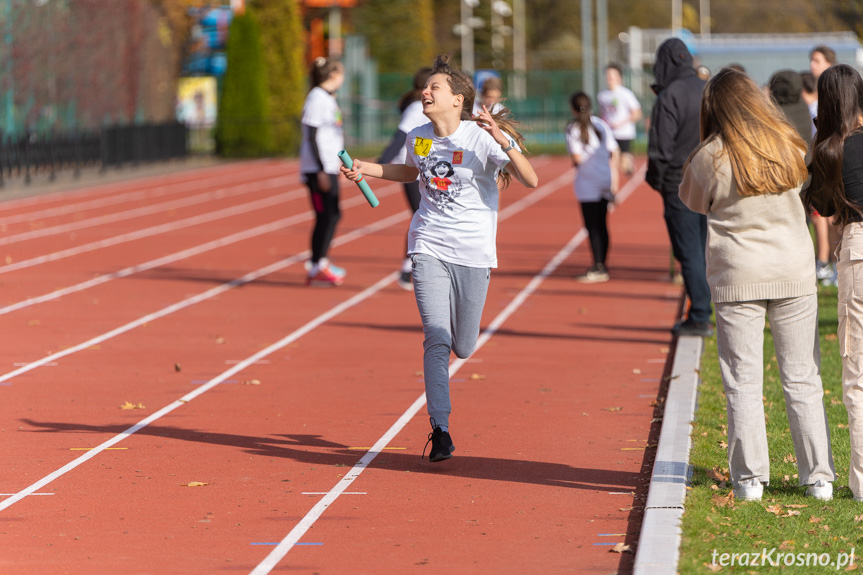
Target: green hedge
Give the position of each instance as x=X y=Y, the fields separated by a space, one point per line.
x=244 y=126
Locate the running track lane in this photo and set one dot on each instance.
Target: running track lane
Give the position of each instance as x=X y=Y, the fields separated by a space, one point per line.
x=342 y=402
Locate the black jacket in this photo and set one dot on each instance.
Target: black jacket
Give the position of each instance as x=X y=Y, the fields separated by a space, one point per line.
x=785 y=89
x=674 y=121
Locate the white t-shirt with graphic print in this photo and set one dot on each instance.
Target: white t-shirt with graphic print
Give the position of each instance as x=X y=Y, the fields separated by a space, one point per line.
x=457 y=218
x=616 y=107
x=321 y=111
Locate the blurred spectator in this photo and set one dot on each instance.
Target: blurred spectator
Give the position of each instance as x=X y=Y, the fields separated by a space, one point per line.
x=826 y=235
x=490 y=96
x=809 y=94
x=785 y=90
x=620 y=109
x=674 y=134
x=820 y=58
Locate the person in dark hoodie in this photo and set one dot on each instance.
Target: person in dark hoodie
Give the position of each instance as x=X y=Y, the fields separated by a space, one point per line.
x=674 y=134
x=786 y=87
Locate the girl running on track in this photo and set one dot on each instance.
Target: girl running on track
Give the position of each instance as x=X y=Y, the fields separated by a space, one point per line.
x=323 y=139
x=836 y=190
x=746 y=176
x=411 y=107
x=452 y=235
x=594 y=154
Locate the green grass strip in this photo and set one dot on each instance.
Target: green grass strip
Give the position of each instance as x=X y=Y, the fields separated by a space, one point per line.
x=786 y=530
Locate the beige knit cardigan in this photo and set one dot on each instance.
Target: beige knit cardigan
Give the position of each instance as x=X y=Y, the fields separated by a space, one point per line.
x=758 y=247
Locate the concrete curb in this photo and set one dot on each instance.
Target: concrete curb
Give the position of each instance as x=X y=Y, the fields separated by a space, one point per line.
x=659 y=543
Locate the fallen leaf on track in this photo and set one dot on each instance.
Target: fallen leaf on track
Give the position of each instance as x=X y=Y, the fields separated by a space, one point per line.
x=621 y=548
x=130 y=405
x=195 y=484
x=475 y=376
x=252 y=382
x=611 y=408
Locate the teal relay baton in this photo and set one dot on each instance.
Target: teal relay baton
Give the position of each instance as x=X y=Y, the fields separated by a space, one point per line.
x=362 y=184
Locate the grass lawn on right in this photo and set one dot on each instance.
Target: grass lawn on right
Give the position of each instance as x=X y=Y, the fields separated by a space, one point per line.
x=786 y=529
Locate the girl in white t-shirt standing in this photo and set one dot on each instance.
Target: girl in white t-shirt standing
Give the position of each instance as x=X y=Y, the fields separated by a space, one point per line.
x=620 y=109
x=323 y=139
x=411 y=107
x=594 y=154
x=460 y=161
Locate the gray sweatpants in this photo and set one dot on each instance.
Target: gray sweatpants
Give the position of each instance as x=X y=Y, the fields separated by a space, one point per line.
x=450 y=299
x=740 y=343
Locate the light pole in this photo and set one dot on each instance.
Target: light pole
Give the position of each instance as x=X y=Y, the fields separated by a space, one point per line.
x=588 y=84
x=10 y=82
x=519 y=49
x=704 y=14
x=465 y=30
x=499 y=10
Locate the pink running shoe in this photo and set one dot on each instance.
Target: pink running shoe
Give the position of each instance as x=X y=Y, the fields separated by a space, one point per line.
x=324 y=278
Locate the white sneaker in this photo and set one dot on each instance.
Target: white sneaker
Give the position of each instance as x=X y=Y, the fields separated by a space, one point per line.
x=820 y=490
x=823 y=270
x=749 y=490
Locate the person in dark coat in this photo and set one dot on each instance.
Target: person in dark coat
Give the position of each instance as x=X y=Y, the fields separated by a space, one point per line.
x=674 y=134
x=786 y=87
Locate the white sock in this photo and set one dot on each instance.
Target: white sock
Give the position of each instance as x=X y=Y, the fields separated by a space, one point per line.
x=407 y=266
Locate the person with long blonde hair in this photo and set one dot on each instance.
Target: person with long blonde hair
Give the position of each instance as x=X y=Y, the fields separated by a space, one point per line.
x=746 y=176
x=462 y=161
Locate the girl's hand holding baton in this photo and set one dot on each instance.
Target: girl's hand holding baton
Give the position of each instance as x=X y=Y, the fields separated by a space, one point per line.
x=351 y=169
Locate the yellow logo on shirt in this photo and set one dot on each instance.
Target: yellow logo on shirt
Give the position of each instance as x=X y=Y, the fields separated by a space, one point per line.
x=422 y=147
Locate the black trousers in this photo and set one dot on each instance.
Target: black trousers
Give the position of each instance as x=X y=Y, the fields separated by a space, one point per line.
x=595 y=215
x=327 y=214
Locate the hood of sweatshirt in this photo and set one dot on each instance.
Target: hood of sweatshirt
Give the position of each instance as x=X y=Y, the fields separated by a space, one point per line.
x=785 y=87
x=673 y=61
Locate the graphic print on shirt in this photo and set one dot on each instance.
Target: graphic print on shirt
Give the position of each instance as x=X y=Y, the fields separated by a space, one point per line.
x=440 y=180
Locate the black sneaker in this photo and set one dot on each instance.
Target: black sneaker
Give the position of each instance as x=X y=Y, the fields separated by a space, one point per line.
x=442 y=446
x=406 y=281
x=690 y=327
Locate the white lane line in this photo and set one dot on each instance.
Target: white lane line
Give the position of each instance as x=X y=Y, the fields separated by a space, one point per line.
x=203 y=296
x=147 y=232
x=325 y=492
x=278 y=553
x=124 y=197
x=183 y=254
x=31 y=494
x=226 y=192
x=285 y=341
x=365 y=294
x=102 y=189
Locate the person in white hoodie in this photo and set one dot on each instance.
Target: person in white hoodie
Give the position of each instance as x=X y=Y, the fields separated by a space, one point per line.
x=746 y=177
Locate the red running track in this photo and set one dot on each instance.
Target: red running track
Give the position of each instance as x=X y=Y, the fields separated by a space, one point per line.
x=278 y=428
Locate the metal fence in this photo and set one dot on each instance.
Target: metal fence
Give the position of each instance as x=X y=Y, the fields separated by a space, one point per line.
x=113 y=146
x=371 y=112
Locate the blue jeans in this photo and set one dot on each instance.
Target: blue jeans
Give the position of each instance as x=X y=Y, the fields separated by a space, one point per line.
x=688 y=233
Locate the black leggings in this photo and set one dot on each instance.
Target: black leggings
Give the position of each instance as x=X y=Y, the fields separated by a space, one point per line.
x=595 y=216
x=412 y=193
x=327 y=214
